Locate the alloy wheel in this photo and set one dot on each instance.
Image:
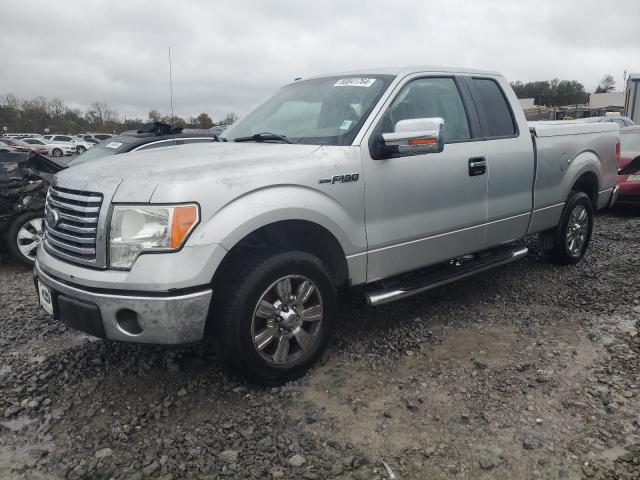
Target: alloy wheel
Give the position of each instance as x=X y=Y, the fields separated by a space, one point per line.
x=577 y=229
x=287 y=319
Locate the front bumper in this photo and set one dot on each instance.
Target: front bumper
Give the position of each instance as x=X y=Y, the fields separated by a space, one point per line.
x=161 y=319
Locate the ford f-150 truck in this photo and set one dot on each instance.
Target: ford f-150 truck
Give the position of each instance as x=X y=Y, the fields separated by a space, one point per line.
x=395 y=181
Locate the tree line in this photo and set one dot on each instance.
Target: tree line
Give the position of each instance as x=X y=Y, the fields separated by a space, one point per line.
x=560 y=92
x=38 y=114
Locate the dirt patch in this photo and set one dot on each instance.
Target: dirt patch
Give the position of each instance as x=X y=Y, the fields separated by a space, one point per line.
x=529 y=371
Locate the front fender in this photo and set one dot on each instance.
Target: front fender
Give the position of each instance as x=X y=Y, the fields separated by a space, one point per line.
x=261 y=207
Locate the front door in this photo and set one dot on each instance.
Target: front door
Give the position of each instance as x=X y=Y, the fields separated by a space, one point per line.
x=427 y=208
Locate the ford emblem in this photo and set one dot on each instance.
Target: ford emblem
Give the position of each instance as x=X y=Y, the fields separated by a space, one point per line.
x=52 y=216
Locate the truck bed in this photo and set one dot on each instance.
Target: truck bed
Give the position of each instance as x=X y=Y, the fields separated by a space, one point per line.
x=554 y=128
x=565 y=150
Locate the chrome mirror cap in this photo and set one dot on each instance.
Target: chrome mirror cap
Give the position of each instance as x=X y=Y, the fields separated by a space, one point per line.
x=417 y=136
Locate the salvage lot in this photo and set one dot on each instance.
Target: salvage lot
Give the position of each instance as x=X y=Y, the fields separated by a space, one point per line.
x=528 y=371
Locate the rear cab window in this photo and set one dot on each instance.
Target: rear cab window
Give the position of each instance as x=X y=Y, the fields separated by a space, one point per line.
x=496 y=117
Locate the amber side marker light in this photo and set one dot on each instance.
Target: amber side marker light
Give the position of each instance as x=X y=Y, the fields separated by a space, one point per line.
x=423 y=141
x=184 y=219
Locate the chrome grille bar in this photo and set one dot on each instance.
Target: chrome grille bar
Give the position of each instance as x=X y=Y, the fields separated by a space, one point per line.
x=70 y=206
x=71 y=219
x=64 y=194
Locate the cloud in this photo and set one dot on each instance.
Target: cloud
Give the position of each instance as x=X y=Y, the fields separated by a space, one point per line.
x=229 y=55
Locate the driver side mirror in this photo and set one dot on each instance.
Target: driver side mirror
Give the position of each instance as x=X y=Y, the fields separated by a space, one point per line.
x=416 y=136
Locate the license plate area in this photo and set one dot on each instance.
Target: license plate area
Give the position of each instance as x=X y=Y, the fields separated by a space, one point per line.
x=46 y=298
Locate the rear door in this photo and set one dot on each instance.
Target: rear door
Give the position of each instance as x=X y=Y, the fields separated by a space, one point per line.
x=508 y=152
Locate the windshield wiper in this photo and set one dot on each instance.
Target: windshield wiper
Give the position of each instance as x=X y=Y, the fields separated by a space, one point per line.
x=263 y=136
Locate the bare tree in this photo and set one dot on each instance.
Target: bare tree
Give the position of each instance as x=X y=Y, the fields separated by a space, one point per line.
x=229 y=119
x=154 y=116
x=607 y=84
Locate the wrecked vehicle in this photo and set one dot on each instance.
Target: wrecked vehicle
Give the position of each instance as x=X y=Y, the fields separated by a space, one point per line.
x=24 y=180
x=376 y=179
x=23 y=185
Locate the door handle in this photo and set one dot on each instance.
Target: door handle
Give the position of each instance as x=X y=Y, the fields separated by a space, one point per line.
x=477 y=166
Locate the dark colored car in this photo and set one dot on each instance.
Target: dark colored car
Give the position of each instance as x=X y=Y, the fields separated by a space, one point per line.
x=24 y=180
x=629 y=166
x=153 y=135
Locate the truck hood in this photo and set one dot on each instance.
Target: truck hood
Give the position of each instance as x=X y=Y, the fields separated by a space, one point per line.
x=138 y=174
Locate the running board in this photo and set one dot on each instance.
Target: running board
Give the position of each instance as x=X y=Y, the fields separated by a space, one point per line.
x=437 y=276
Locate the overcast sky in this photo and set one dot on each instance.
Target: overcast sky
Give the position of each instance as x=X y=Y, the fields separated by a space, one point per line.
x=229 y=55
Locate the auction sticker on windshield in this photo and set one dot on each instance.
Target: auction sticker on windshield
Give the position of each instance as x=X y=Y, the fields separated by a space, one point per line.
x=354 y=82
x=45 y=298
x=113 y=144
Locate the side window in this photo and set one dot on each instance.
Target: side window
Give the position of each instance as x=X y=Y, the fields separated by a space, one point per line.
x=166 y=143
x=497 y=121
x=427 y=98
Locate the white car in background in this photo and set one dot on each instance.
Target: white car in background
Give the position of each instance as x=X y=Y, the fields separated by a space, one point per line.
x=80 y=145
x=97 y=137
x=55 y=149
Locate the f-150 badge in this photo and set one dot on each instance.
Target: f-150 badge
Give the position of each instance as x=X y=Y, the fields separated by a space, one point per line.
x=349 y=177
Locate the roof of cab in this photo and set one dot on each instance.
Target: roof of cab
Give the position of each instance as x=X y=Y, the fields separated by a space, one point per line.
x=402 y=71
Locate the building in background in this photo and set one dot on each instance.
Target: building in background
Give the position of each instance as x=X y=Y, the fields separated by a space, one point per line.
x=527 y=103
x=601 y=103
x=632 y=97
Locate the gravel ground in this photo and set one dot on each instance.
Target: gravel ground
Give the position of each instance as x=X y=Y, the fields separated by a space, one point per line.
x=528 y=371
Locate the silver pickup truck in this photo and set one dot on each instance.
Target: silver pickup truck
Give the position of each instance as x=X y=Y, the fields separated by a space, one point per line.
x=395 y=180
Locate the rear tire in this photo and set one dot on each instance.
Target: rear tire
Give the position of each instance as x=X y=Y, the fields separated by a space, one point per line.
x=274 y=316
x=572 y=235
x=57 y=152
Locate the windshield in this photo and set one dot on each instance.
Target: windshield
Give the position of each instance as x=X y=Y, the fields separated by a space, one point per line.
x=100 y=150
x=321 y=111
x=630 y=142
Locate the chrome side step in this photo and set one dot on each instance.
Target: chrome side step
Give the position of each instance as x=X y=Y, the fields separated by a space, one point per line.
x=437 y=276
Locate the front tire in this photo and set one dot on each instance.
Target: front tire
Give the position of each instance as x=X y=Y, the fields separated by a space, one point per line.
x=80 y=149
x=275 y=316
x=25 y=236
x=572 y=235
x=57 y=152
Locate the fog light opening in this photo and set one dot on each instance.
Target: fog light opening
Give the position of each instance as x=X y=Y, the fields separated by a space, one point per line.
x=128 y=321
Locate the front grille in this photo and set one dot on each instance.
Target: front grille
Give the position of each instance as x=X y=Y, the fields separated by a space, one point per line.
x=73 y=235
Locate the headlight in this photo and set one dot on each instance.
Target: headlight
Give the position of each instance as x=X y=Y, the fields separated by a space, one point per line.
x=148 y=228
